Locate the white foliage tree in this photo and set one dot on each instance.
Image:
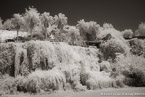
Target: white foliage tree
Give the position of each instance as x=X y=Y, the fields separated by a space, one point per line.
x=73 y=33
x=8 y=24
x=107 y=26
x=46 y=21
x=17 y=21
x=141 y=30
x=88 y=30
x=127 y=33
x=60 y=20
x=31 y=18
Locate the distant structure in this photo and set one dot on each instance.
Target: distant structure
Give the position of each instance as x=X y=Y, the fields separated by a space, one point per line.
x=93 y=43
x=139 y=37
x=10 y=40
x=97 y=43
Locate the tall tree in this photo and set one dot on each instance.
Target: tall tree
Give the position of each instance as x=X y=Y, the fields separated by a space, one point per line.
x=60 y=20
x=31 y=18
x=88 y=30
x=46 y=21
x=73 y=34
x=17 y=21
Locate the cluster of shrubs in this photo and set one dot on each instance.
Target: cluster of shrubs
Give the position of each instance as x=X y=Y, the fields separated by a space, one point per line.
x=133 y=69
x=65 y=67
x=60 y=64
x=137 y=47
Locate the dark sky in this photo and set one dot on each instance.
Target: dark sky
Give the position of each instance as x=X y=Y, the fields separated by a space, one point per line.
x=122 y=14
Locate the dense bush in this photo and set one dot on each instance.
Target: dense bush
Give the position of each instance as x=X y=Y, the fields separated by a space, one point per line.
x=8 y=25
x=141 y=30
x=112 y=42
x=38 y=36
x=44 y=80
x=95 y=80
x=7 y=58
x=13 y=59
x=46 y=55
x=7 y=85
x=111 y=48
x=88 y=30
x=105 y=66
x=127 y=34
x=137 y=47
x=73 y=34
x=133 y=68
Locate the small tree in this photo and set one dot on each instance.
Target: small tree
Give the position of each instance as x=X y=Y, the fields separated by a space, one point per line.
x=31 y=18
x=111 y=48
x=88 y=30
x=141 y=30
x=8 y=24
x=17 y=21
x=73 y=34
x=127 y=33
x=107 y=26
x=46 y=21
x=60 y=20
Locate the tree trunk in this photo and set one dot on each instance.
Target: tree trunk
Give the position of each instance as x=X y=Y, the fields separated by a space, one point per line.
x=31 y=32
x=46 y=33
x=17 y=34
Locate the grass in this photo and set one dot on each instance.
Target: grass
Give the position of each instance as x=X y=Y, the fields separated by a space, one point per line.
x=98 y=93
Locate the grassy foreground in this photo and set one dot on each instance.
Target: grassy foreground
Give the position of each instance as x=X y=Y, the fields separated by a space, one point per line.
x=106 y=92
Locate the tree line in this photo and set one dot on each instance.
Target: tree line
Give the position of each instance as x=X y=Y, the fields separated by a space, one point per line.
x=56 y=27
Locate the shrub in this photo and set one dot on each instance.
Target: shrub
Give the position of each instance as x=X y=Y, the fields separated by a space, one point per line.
x=44 y=80
x=127 y=34
x=73 y=34
x=7 y=58
x=8 y=25
x=7 y=85
x=113 y=42
x=137 y=47
x=94 y=80
x=13 y=59
x=111 y=48
x=38 y=36
x=133 y=69
x=141 y=30
x=50 y=54
x=88 y=30
x=105 y=66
